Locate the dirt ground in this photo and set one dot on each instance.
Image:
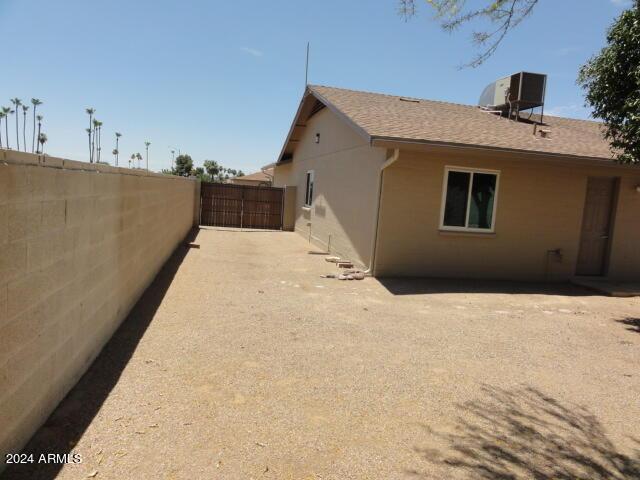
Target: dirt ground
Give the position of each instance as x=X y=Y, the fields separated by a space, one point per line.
x=240 y=362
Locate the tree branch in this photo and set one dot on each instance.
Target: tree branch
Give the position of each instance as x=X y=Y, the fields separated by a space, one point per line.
x=506 y=14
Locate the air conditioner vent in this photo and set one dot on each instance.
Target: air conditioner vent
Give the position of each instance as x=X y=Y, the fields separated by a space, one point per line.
x=517 y=92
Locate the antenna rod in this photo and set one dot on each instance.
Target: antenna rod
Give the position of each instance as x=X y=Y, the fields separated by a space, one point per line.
x=306 y=69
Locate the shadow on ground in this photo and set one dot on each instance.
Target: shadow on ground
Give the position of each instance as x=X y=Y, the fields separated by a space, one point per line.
x=70 y=419
x=633 y=324
x=525 y=434
x=238 y=230
x=426 y=286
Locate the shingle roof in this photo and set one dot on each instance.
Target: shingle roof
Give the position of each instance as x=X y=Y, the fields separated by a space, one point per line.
x=263 y=176
x=408 y=119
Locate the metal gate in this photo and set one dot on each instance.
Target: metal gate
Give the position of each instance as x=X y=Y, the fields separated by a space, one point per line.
x=240 y=206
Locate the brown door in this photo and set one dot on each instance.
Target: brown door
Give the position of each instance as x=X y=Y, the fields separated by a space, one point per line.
x=596 y=226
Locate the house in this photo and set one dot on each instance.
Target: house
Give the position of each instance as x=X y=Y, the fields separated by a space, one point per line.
x=411 y=187
x=264 y=178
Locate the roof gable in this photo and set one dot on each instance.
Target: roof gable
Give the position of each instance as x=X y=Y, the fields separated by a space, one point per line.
x=310 y=104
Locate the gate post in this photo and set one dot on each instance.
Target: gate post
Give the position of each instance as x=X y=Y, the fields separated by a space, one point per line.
x=242 y=209
x=289 y=208
x=197 y=204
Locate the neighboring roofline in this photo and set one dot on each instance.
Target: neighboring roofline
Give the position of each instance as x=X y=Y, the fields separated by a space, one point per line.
x=249 y=179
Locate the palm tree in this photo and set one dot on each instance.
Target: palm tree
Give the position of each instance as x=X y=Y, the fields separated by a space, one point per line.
x=139 y=158
x=25 y=108
x=2 y=115
x=133 y=157
x=17 y=102
x=146 y=145
x=39 y=117
x=93 y=139
x=98 y=131
x=117 y=154
x=7 y=111
x=42 y=139
x=35 y=102
x=90 y=112
x=98 y=149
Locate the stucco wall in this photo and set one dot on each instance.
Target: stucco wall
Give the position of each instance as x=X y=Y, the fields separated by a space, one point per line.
x=345 y=195
x=540 y=207
x=79 y=243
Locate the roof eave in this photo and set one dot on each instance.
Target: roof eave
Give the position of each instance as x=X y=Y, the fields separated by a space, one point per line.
x=310 y=90
x=279 y=161
x=390 y=142
x=360 y=130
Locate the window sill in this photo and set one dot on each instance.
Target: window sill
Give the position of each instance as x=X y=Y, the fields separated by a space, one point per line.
x=463 y=233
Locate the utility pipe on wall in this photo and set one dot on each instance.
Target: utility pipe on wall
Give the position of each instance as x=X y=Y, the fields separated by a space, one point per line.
x=374 y=244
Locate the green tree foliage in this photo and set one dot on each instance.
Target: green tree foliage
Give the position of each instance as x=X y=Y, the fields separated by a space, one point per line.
x=212 y=171
x=611 y=80
x=183 y=166
x=218 y=173
x=501 y=15
x=213 y=168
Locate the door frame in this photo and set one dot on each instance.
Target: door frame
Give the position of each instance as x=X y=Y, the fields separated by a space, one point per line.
x=613 y=208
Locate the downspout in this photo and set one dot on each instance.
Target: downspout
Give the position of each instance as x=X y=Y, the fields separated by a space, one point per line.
x=374 y=243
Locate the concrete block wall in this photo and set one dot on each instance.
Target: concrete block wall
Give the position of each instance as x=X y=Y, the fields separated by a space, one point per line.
x=79 y=244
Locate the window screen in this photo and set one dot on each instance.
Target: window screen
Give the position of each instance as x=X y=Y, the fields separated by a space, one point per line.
x=455 y=211
x=308 y=197
x=469 y=200
x=481 y=205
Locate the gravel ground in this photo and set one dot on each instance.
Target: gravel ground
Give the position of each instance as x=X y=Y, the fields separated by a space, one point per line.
x=241 y=362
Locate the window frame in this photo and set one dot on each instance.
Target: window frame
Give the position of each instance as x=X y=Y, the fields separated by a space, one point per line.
x=472 y=171
x=309 y=181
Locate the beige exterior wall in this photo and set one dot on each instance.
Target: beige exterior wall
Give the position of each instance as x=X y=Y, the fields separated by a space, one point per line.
x=346 y=175
x=79 y=243
x=539 y=208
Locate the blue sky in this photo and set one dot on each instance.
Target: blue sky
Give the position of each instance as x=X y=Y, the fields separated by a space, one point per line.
x=222 y=80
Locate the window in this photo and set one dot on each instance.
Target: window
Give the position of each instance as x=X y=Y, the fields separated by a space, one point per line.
x=469 y=200
x=308 y=193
